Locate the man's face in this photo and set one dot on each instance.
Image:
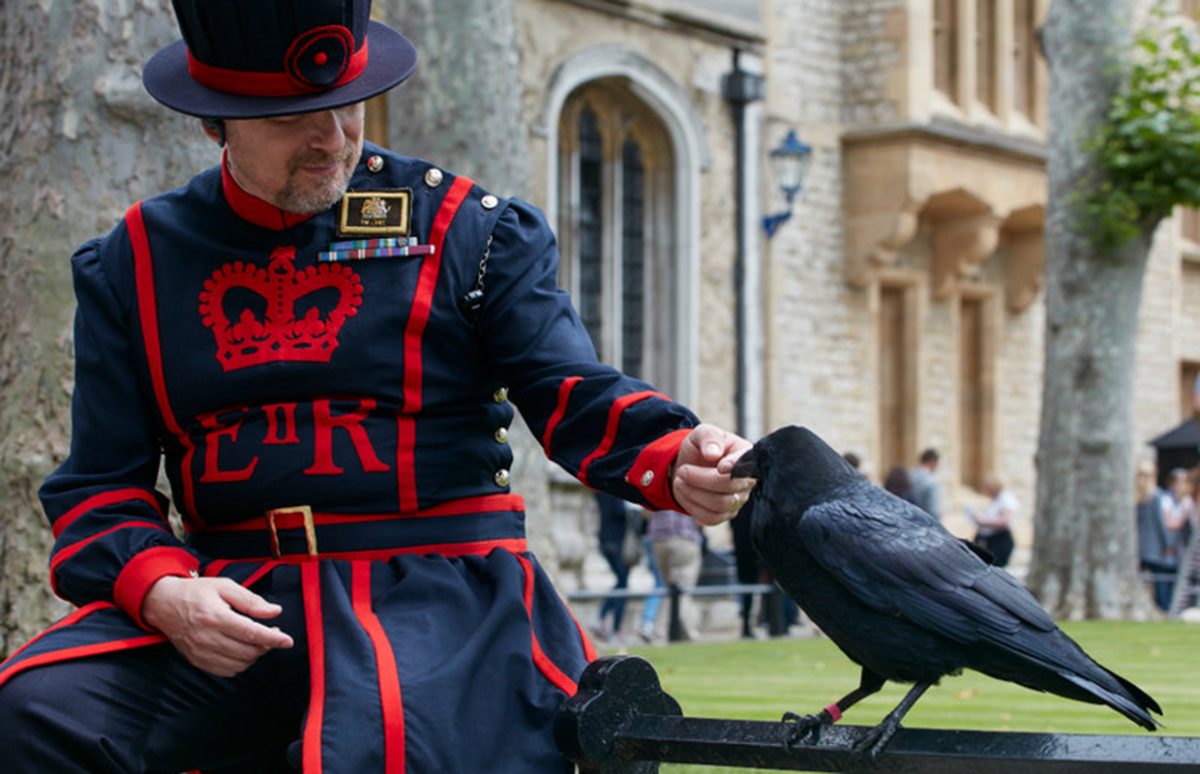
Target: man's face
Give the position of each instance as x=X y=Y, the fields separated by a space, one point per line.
x=300 y=163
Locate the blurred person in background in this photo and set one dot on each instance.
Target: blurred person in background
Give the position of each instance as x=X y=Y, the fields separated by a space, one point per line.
x=994 y=522
x=925 y=486
x=1153 y=557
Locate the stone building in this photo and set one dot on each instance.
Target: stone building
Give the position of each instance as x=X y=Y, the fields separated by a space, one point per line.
x=900 y=307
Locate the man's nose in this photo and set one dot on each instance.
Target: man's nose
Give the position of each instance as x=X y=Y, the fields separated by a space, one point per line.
x=325 y=130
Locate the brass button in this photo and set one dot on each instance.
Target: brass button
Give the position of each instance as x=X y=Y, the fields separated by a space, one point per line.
x=434 y=177
x=489 y=202
x=648 y=478
x=375 y=163
x=501 y=435
x=500 y=395
x=501 y=477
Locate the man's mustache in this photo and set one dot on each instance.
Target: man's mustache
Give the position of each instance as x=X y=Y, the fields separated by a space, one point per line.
x=317 y=159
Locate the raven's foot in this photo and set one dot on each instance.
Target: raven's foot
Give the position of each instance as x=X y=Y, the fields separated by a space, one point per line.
x=875 y=740
x=803 y=728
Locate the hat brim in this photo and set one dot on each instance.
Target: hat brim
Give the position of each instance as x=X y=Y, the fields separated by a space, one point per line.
x=392 y=59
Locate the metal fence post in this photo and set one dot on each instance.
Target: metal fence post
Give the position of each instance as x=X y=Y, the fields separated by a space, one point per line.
x=675 y=631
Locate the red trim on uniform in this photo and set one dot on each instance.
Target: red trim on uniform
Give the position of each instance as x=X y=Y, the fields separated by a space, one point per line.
x=418 y=318
x=392 y=708
x=310 y=580
x=254 y=83
x=101 y=500
x=148 y=311
x=80 y=651
x=143 y=571
x=474 y=548
x=466 y=506
x=249 y=207
x=67 y=552
x=560 y=410
x=214 y=568
x=540 y=659
x=423 y=298
x=656 y=459
x=610 y=431
x=406 y=463
x=589 y=650
x=68 y=620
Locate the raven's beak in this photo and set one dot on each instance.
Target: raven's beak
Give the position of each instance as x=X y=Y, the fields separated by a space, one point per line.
x=746 y=466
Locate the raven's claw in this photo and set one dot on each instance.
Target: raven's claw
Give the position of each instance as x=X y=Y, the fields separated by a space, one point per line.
x=802 y=728
x=876 y=739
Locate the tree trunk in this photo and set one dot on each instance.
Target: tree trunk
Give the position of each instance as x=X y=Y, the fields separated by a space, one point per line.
x=1084 y=559
x=462 y=110
x=80 y=140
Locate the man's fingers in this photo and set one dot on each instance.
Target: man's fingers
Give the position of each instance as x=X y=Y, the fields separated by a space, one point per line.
x=250 y=632
x=711 y=480
x=227 y=647
x=725 y=466
x=246 y=601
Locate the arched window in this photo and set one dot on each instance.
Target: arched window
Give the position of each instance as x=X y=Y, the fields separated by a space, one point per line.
x=616 y=201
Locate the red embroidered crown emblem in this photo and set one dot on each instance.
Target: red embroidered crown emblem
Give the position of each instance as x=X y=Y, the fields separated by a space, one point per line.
x=279 y=335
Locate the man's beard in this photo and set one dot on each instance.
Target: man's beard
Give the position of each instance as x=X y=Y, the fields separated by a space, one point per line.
x=320 y=197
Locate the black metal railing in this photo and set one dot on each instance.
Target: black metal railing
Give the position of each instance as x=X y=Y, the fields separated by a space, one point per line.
x=772 y=596
x=622 y=722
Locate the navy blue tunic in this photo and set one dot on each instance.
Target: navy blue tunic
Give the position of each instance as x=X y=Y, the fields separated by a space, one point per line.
x=335 y=436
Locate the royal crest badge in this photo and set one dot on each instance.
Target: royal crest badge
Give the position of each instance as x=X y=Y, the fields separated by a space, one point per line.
x=378 y=213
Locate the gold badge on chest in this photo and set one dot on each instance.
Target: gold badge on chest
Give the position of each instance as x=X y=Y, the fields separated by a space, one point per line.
x=379 y=213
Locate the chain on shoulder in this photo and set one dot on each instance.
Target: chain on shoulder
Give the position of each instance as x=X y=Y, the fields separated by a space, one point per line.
x=483 y=264
x=472 y=300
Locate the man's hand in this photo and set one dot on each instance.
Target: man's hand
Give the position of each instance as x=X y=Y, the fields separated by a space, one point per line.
x=207 y=620
x=702 y=484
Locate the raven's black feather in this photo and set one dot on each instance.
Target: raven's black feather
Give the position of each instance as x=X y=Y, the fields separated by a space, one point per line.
x=898 y=593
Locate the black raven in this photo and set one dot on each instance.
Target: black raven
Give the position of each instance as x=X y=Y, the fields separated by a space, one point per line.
x=899 y=594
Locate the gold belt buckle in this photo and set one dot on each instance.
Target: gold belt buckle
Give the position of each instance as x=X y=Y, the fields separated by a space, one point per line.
x=310 y=530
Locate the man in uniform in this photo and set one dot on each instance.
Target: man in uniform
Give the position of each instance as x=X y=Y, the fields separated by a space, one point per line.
x=319 y=340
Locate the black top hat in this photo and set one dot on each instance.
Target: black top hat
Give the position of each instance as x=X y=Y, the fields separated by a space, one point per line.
x=259 y=58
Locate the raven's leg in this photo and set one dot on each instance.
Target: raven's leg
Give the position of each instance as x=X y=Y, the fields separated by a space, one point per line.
x=800 y=726
x=877 y=738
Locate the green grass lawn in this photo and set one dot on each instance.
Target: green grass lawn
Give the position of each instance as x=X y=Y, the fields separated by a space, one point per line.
x=760 y=680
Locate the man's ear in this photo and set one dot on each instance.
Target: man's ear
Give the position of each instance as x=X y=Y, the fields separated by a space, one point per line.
x=215 y=129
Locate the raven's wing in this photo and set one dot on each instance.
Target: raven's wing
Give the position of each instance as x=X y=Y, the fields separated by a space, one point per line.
x=905 y=563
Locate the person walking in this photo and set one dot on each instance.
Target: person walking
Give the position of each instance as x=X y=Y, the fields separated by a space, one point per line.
x=927 y=492
x=677 y=541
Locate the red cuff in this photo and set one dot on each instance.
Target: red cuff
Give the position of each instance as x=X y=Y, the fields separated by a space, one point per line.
x=651 y=471
x=143 y=570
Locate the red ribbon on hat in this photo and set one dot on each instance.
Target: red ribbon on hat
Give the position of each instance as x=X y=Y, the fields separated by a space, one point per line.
x=260 y=84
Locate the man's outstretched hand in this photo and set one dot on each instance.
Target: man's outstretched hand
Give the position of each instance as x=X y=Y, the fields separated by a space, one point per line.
x=701 y=482
x=211 y=622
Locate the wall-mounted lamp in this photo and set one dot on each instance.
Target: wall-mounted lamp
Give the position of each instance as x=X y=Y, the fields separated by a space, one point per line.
x=789 y=164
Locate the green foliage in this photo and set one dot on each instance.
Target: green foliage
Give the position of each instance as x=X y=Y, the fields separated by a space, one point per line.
x=1149 y=147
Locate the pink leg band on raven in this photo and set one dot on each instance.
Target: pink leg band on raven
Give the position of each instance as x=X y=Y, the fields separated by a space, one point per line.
x=834 y=712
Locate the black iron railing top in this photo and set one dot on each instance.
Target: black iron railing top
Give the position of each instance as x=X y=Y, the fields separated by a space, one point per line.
x=622 y=722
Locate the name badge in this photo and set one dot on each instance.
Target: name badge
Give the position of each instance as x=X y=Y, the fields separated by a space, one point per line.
x=378 y=213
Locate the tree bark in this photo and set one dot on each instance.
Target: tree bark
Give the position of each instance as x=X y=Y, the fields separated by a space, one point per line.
x=80 y=140
x=462 y=110
x=1084 y=553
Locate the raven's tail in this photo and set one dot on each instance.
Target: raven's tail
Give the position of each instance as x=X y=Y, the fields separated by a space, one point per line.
x=1056 y=664
x=1132 y=702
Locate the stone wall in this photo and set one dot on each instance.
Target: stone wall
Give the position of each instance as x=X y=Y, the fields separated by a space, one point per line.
x=835 y=69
